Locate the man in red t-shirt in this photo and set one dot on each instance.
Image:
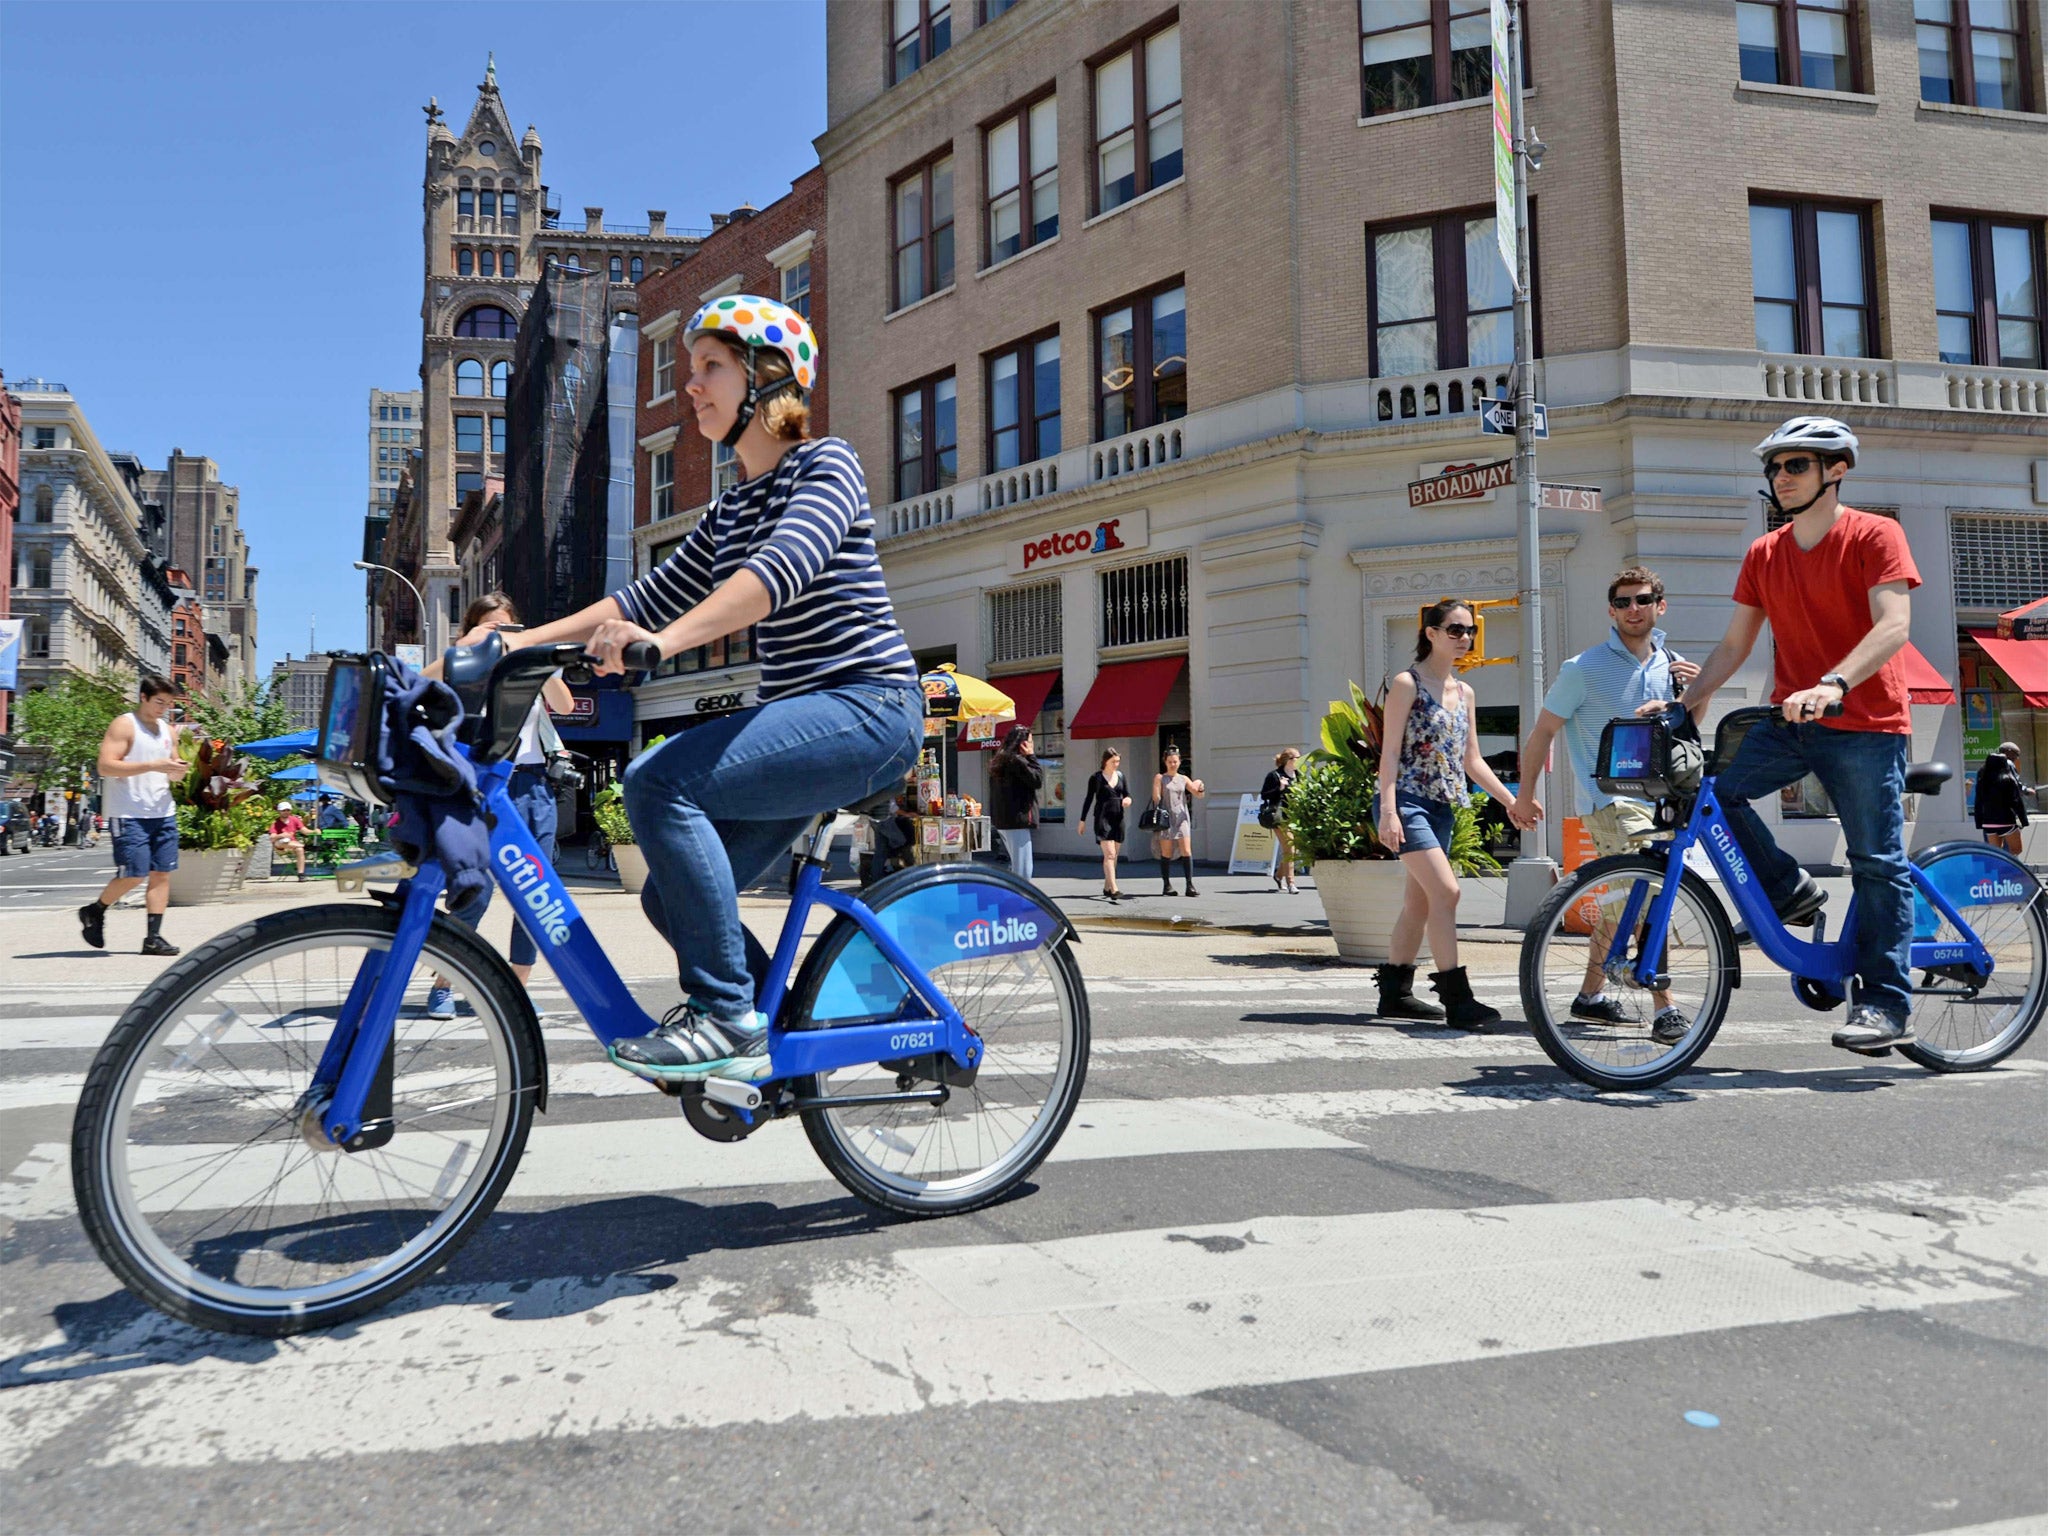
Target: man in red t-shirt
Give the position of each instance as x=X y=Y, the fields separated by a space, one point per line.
x=1833 y=583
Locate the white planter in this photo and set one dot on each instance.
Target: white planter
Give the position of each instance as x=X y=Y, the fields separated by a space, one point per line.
x=632 y=866
x=207 y=874
x=1362 y=900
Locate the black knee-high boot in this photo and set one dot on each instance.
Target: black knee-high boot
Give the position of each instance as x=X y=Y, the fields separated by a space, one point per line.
x=1165 y=877
x=1187 y=874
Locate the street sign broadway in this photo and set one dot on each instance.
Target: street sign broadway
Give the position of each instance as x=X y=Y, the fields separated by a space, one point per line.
x=1498 y=417
x=1476 y=481
x=1553 y=497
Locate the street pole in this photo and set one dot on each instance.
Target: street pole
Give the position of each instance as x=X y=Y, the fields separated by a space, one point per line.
x=1533 y=873
x=371 y=565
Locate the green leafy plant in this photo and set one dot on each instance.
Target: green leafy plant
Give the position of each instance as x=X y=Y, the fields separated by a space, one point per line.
x=61 y=726
x=241 y=711
x=1467 y=852
x=216 y=806
x=608 y=810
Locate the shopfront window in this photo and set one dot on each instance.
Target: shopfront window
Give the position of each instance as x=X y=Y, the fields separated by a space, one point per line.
x=1145 y=603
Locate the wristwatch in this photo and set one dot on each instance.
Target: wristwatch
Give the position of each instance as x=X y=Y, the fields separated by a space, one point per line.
x=1838 y=680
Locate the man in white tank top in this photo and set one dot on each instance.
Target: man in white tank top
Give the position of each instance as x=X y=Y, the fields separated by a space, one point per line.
x=138 y=759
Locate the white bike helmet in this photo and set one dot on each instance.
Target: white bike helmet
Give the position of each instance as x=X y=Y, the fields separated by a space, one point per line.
x=1823 y=434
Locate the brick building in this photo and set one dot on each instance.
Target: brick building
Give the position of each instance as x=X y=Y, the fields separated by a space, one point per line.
x=779 y=252
x=188 y=633
x=1156 y=312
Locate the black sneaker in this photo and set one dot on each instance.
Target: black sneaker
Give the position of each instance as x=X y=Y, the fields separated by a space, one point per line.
x=1599 y=1010
x=92 y=922
x=1804 y=904
x=1669 y=1027
x=157 y=944
x=1872 y=1032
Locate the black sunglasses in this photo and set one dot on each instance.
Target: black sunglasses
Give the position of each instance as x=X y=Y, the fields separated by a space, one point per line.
x=1459 y=631
x=1640 y=600
x=1797 y=465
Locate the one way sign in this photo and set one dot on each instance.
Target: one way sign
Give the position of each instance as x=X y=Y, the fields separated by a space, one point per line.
x=1499 y=418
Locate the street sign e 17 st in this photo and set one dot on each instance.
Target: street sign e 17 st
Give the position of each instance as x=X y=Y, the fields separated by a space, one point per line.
x=1498 y=417
x=1553 y=497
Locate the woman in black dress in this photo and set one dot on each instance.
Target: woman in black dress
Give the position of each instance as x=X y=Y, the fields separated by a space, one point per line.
x=1273 y=802
x=1109 y=796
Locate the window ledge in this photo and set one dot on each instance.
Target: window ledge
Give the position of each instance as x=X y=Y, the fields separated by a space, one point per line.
x=1804 y=92
x=1011 y=261
x=1141 y=198
x=661 y=399
x=2002 y=114
x=916 y=304
x=1468 y=105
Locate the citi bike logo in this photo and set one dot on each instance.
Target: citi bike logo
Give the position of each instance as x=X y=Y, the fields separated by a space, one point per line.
x=549 y=911
x=983 y=934
x=1998 y=888
x=1726 y=844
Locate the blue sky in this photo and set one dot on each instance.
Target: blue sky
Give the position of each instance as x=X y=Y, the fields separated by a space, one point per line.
x=211 y=213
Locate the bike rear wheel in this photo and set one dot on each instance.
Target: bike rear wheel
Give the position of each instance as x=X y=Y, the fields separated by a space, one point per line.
x=1030 y=1009
x=1955 y=1030
x=199 y=1173
x=1572 y=929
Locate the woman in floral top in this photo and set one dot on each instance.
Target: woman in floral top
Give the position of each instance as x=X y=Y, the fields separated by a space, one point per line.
x=1428 y=752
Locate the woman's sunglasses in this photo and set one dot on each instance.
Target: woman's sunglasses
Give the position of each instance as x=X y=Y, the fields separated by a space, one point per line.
x=1459 y=631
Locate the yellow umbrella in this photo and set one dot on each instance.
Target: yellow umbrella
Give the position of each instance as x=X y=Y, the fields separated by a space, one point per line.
x=953 y=695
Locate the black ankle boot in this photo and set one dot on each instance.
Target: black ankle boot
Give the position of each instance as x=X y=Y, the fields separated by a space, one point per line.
x=1462 y=1010
x=1397 y=995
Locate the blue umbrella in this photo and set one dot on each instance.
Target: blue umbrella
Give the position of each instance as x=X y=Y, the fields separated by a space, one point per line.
x=297 y=743
x=303 y=771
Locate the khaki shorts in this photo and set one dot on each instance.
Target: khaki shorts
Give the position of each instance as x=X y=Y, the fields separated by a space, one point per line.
x=1620 y=826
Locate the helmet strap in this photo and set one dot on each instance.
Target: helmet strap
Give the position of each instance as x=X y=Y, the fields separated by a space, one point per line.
x=1770 y=492
x=746 y=410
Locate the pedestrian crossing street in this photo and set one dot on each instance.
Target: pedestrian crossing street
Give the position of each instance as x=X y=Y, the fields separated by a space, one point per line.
x=1225 y=1212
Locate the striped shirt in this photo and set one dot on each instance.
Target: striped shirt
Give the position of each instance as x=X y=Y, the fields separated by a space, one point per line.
x=805 y=530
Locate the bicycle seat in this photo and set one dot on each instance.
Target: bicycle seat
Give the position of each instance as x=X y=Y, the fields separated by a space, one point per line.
x=880 y=803
x=1926 y=778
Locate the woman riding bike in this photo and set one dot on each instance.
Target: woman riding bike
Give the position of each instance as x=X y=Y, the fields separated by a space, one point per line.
x=791 y=549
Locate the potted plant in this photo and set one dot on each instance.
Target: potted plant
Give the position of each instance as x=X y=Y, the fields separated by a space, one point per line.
x=220 y=816
x=608 y=810
x=1359 y=878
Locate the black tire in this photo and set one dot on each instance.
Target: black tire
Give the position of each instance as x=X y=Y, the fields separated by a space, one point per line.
x=834 y=1140
x=1973 y=1034
x=1705 y=924
x=121 y=1222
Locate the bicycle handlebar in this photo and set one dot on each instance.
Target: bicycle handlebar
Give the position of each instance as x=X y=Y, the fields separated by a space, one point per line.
x=516 y=678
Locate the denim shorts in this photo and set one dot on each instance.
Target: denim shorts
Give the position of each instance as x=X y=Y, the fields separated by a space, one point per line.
x=144 y=845
x=1425 y=824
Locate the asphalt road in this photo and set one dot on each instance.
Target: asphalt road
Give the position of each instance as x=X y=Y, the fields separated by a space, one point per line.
x=1291 y=1270
x=53 y=877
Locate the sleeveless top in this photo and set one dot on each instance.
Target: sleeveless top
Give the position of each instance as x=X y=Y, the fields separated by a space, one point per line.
x=1174 y=805
x=1432 y=763
x=147 y=795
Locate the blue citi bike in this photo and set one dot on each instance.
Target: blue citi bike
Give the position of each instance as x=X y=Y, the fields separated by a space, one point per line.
x=1651 y=927
x=277 y=1136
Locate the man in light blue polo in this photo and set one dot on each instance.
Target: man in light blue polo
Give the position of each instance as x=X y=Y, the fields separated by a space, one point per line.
x=1632 y=666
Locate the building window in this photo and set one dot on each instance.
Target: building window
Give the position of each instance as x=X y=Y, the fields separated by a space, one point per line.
x=1142 y=604
x=465 y=203
x=508 y=212
x=1023 y=179
x=919 y=31
x=487 y=262
x=1441 y=296
x=508 y=263
x=1987 y=291
x=1141 y=348
x=636 y=269
x=1812 y=279
x=465 y=262
x=1819 y=34
x=498 y=435
x=487 y=203
x=927 y=437
x=725 y=470
x=469 y=377
x=46 y=505
x=796 y=286
x=1024 y=622
x=38 y=638
x=1024 y=402
x=662 y=479
x=991 y=9
x=1999 y=562
x=664 y=367
x=1137 y=151
x=501 y=374
x=39 y=568
x=1973 y=52
x=178 y=654
x=407 y=411
x=383 y=413
x=1419 y=53
x=618 y=270
x=465 y=482
x=923 y=201
x=46 y=437
x=489 y=323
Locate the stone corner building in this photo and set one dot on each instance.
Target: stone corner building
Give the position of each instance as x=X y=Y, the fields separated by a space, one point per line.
x=1155 y=313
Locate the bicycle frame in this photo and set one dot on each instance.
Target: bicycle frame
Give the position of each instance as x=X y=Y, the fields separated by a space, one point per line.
x=1831 y=962
x=540 y=901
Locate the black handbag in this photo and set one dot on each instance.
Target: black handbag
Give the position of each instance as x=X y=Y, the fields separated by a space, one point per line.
x=1151 y=819
x=1269 y=816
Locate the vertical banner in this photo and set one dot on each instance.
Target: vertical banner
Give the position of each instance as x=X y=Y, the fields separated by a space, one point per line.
x=1253 y=848
x=10 y=653
x=1503 y=141
x=1981 y=736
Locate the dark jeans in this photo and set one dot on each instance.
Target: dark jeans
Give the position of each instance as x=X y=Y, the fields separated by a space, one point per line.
x=715 y=807
x=534 y=799
x=1864 y=773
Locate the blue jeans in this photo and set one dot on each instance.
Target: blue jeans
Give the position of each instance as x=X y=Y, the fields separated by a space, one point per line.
x=534 y=799
x=1017 y=842
x=1864 y=773
x=715 y=807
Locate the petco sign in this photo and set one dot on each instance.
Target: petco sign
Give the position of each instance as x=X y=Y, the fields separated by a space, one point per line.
x=1081 y=541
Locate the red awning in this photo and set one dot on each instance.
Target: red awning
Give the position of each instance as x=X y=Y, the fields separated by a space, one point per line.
x=1924 y=685
x=2024 y=661
x=1028 y=691
x=1127 y=698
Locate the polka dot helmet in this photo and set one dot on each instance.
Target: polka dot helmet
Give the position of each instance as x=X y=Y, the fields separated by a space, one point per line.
x=759 y=322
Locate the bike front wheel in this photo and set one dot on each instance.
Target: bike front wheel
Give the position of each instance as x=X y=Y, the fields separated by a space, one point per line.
x=1960 y=1029
x=199 y=1169
x=1579 y=929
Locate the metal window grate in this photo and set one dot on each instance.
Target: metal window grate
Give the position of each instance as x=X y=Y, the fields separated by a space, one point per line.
x=1998 y=562
x=1024 y=622
x=1145 y=603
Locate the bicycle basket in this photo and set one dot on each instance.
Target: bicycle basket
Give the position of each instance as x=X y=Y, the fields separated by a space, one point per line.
x=351 y=716
x=1636 y=758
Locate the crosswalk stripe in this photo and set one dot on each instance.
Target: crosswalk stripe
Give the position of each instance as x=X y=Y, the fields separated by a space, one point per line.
x=1164 y=1311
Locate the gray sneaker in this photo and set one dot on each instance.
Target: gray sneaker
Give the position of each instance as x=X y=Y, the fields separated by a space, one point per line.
x=1669 y=1027
x=690 y=1044
x=1872 y=1032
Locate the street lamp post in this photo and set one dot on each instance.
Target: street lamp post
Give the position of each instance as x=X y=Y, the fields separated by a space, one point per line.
x=369 y=639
